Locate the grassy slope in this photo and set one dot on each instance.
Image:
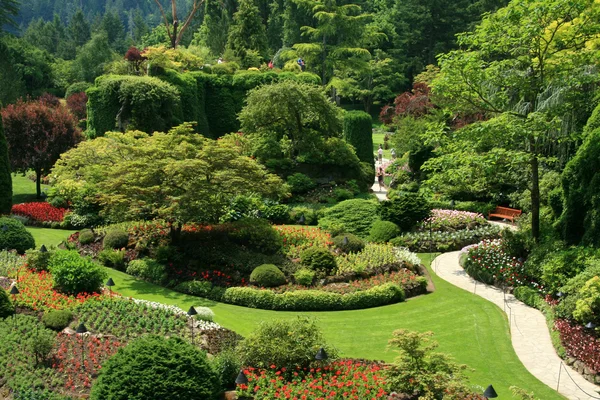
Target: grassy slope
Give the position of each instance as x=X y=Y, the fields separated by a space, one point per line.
x=49 y=237
x=473 y=330
x=378 y=140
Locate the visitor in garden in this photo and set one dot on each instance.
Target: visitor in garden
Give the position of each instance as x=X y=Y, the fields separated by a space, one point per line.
x=270 y=64
x=301 y=64
x=220 y=60
x=380 y=154
x=380 y=177
x=393 y=153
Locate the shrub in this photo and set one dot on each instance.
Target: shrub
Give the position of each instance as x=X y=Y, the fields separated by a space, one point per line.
x=348 y=243
x=115 y=239
x=453 y=220
x=153 y=367
x=353 y=216
x=10 y=261
x=358 y=132
x=405 y=210
x=86 y=236
x=204 y=314
x=257 y=234
x=74 y=274
x=558 y=267
x=276 y=213
x=319 y=260
x=300 y=183
x=310 y=215
x=112 y=259
x=343 y=194
x=57 y=320
x=284 y=343
x=6 y=307
x=15 y=236
x=38 y=260
x=528 y=296
x=201 y=289
x=227 y=364
x=383 y=231
x=267 y=275
x=148 y=269
x=304 y=277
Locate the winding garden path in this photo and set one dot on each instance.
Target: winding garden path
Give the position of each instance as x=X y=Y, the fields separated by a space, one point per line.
x=529 y=332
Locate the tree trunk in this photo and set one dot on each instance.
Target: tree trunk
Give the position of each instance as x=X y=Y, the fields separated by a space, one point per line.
x=535 y=198
x=175 y=233
x=38 y=183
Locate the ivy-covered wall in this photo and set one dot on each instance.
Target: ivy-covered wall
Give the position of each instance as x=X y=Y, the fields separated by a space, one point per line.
x=119 y=102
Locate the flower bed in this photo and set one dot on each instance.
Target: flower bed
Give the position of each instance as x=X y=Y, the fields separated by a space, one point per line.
x=39 y=212
x=580 y=344
x=375 y=258
x=343 y=379
x=426 y=241
x=299 y=238
x=452 y=220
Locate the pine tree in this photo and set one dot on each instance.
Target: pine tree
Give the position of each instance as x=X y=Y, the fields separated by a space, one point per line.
x=79 y=29
x=213 y=32
x=247 y=36
x=5 y=178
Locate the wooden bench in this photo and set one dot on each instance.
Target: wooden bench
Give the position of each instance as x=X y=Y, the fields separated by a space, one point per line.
x=505 y=213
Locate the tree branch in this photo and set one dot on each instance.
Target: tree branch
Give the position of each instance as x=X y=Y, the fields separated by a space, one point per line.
x=194 y=10
x=162 y=11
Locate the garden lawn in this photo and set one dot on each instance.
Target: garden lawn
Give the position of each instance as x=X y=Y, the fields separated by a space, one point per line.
x=48 y=237
x=24 y=189
x=471 y=329
x=378 y=140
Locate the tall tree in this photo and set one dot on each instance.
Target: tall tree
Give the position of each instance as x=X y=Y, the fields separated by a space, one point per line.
x=37 y=135
x=214 y=28
x=5 y=177
x=79 y=29
x=115 y=30
x=247 y=34
x=8 y=10
x=524 y=61
x=175 y=31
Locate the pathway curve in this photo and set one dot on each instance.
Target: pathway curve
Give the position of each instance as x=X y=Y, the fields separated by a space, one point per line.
x=380 y=192
x=529 y=332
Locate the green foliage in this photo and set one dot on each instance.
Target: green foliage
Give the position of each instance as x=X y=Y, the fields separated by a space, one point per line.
x=425 y=242
x=318 y=259
x=10 y=261
x=201 y=289
x=155 y=367
x=587 y=307
x=528 y=296
x=354 y=245
x=15 y=236
x=304 y=277
x=383 y=231
x=148 y=269
x=6 y=190
x=247 y=34
x=228 y=365
x=267 y=275
x=86 y=236
x=115 y=239
x=405 y=210
x=38 y=260
x=300 y=183
x=57 y=320
x=257 y=234
x=353 y=216
x=559 y=266
x=112 y=258
x=77 y=87
x=310 y=215
x=358 y=132
x=74 y=274
x=301 y=338
x=6 y=307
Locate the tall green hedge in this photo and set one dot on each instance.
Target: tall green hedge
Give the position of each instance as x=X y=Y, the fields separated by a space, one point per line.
x=159 y=103
x=5 y=178
x=358 y=132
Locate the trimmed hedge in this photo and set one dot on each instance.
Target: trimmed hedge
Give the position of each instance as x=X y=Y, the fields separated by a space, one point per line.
x=57 y=320
x=358 y=131
x=267 y=275
x=528 y=296
x=6 y=191
x=15 y=236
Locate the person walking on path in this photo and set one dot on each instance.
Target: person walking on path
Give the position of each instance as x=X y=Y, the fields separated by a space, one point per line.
x=380 y=175
x=380 y=154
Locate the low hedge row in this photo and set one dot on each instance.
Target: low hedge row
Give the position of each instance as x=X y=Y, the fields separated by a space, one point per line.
x=301 y=300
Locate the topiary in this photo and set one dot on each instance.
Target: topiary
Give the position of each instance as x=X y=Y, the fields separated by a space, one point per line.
x=74 y=274
x=304 y=277
x=14 y=236
x=383 y=231
x=6 y=307
x=405 y=210
x=148 y=269
x=86 y=236
x=38 y=260
x=319 y=260
x=267 y=275
x=115 y=239
x=153 y=367
x=57 y=320
x=359 y=133
x=300 y=183
x=348 y=243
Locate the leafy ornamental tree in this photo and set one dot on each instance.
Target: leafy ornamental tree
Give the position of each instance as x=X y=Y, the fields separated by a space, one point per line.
x=5 y=177
x=523 y=61
x=174 y=31
x=37 y=135
x=178 y=176
x=247 y=35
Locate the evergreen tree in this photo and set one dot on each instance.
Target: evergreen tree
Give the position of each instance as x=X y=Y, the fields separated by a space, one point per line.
x=5 y=178
x=247 y=35
x=214 y=28
x=140 y=28
x=115 y=30
x=8 y=9
x=79 y=29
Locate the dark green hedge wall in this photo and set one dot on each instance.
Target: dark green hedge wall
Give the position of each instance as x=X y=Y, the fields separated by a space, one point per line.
x=158 y=103
x=358 y=132
x=5 y=177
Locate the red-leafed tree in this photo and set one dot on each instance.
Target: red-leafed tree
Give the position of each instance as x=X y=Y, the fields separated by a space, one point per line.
x=37 y=135
x=135 y=58
x=77 y=103
x=415 y=103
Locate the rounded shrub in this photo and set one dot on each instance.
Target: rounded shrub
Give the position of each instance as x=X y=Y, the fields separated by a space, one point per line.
x=6 y=307
x=153 y=367
x=115 y=239
x=148 y=269
x=304 y=277
x=348 y=243
x=267 y=275
x=86 y=236
x=353 y=216
x=38 y=260
x=319 y=260
x=257 y=234
x=74 y=274
x=57 y=320
x=383 y=231
x=14 y=236
x=112 y=259
x=405 y=210
x=300 y=183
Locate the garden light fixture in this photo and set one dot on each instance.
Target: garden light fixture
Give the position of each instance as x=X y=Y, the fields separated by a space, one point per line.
x=560 y=294
x=345 y=241
x=490 y=393
x=109 y=284
x=301 y=220
x=241 y=379
x=81 y=329
x=590 y=325
x=43 y=249
x=321 y=355
x=14 y=291
x=191 y=312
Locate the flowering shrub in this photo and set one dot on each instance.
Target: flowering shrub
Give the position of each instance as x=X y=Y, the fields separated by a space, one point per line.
x=343 y=379
x=425 y=241
x=452 y=220
x=296 y=239
x=39 y=212
x=375 y=257
x=579 y=343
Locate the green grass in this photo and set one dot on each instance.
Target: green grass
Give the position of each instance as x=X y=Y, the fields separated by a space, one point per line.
x=49 y=237
x=24 y=189
x=473 y=330
x=378 y=140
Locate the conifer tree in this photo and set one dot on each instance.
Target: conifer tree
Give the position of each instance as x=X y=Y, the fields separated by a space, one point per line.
x=5 y=178
x=247 y=35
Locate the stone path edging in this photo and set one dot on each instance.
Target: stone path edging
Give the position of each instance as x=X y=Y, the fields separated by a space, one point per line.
x=529 y=332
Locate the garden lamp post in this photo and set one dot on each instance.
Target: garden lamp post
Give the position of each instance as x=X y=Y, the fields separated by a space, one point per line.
x=81 y=330
x=559 y=295
x=14 y=291
x=345 y=241
x=109 y=284
x=191 y=312
x=321 y=355
x=490 y=393
x=241 y=379
x=4 y=228
x=301 y=220
x=590 y=325
x=43 y=249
